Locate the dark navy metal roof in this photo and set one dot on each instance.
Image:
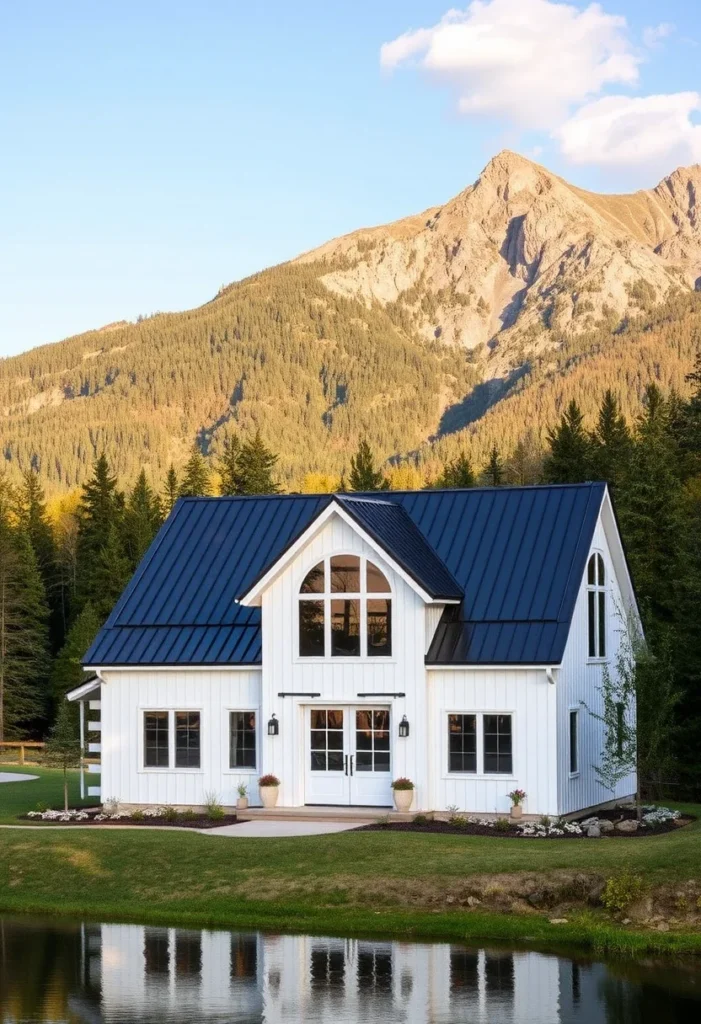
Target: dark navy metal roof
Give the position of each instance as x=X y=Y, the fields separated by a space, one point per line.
x=515 y=554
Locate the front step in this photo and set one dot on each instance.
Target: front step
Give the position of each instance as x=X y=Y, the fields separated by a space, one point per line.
x=364 y=815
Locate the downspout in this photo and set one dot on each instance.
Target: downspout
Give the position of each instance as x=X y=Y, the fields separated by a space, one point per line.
x=549 y=675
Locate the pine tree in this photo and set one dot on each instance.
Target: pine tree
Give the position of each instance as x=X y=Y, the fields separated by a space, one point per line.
x=493 y=473
x=67 y=671
x=229 y=466
x=171 y=490
x=195 y=482
x=363 y=475
x=525 y=467
x=457 y=473
x=142 y=519
x=254 y=470
x=111 y=573
x=33 y=519
x=24 y=635
x=569 y=459
x=100 y=512
x=611 y=442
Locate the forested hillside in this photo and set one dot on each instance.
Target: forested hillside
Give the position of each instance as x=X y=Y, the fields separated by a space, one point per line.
x=467 y=326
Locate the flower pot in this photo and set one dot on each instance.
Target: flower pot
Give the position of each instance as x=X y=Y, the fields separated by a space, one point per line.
x=269 y=795
x=242 y=803
x=403 y=799
x=516 y=811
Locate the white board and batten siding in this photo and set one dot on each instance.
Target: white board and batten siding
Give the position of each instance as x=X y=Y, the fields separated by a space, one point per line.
x=337 y=680
x=578 y=681
x=530 y=699
x=126 y=695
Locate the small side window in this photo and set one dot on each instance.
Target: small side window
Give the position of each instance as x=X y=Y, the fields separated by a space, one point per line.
x=596 y=606
x=574 y=742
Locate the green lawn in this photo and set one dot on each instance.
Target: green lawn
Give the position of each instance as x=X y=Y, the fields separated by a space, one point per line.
x=352 y=882
x=46 y=791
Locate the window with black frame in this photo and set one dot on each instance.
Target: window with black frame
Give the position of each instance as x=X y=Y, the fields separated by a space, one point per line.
x=345 y=610
x=462 y=743
x=156 y=739
x=187 y=739
x=498 y=747
x=242 y=739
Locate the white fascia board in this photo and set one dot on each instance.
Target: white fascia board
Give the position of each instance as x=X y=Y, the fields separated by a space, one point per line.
x=488 y=667
x=175 y=667
x=618 y=557
x=81 y=692
x=253 y=597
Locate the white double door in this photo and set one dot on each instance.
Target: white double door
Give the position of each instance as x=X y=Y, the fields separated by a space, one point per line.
x=348 y=759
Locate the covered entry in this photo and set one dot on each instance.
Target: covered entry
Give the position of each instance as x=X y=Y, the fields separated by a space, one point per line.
x=347 y=756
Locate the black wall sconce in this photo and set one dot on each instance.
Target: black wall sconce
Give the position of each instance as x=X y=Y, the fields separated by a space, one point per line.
x=273 y=726
x=404 y=727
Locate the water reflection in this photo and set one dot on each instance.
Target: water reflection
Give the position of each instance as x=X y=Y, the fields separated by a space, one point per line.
x=118 y=973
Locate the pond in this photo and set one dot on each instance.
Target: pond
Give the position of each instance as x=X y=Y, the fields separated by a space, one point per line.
x=73 y=972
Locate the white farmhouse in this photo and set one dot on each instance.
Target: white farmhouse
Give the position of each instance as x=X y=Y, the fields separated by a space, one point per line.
x=341 y=641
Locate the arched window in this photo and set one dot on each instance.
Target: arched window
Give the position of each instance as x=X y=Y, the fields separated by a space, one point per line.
x=596 y=606
x=345 y=610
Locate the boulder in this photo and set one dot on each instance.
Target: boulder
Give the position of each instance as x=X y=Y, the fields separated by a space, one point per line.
x=589 y=821
x=605 y=825
x=558 y=920
x=627 y=825
x=593 y=832
x=472 y=901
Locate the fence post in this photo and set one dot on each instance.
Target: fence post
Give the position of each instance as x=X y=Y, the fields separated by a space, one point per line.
x=21 y=753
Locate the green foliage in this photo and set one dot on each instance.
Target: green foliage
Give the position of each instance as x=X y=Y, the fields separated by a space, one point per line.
x=254 y=468
x=502 y=825
x=229 y=465
x=457 y=473
x=63 y=746
x=611 y=442
x=493 y=472
x=569 y=458
x=67 y=671
x=100 y=516
x=171 y=490
x=363 y=475
x=195 y=481
x=142 y=519
x=622 y=890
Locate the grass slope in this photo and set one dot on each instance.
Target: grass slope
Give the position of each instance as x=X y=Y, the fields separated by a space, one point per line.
x=353 y=883
x=46 y=791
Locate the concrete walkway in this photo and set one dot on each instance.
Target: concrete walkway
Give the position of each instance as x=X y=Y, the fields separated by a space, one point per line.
x=16 y=777
x=279 y=829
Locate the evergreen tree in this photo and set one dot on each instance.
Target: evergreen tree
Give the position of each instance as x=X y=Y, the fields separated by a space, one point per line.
x=142 y=519
x=255 y=464
x=229 y=466
x=457 y=473
x=493 y=473
x=33 y=519
x=195 y=482
x=525 y=467
x=24 y=635
x=611 y=442
x=363 y=475
x=569 y=459
x=67 y=672
x=111 y=573
x=99 y=514
x=171 y=490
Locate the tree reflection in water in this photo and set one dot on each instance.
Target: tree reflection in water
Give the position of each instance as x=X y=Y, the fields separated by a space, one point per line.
x=114 y=974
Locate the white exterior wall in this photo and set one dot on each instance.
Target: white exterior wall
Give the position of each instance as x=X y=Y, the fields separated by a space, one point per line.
x=339 y=680
x=524 y=693
x=577 y=684
x=124 y=698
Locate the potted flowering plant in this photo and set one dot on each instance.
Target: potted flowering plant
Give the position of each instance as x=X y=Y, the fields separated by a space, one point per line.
x=403 y=792
x=269 y=789
x=517 y=796
x=242 y=801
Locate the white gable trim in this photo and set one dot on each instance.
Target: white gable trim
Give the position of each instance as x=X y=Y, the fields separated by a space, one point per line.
x=618 y=557
x=85 y=690
x=254 y=595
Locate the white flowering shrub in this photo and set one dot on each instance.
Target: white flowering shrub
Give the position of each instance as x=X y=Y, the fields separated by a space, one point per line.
x=659 y=815
x=59 y=815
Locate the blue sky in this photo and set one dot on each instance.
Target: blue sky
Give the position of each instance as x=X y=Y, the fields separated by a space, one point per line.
x=153 y=151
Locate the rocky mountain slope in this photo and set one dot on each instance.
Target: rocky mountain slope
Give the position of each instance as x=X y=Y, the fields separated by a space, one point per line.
x=466 y=325
x=521 y=248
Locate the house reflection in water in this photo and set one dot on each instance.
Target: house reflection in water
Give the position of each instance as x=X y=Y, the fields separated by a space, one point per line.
x=156 y=974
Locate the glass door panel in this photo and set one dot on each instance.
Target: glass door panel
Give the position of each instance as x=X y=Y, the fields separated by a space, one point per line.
x=326 y=776
x=370 y=758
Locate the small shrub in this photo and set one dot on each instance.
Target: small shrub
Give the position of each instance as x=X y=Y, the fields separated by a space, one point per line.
x=545 y=821
x=189 y=815
x=622 y=890
x=421 y=819
x=502 y=825
x=213 y=807
x=111 y=805
x=383 y=821
x=170 y=814
x=242 y=789
x=458 y=820
x=138 y=816
x=41 y=807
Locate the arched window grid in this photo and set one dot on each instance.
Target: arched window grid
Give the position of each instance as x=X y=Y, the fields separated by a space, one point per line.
x=596 y=606
x=345 y=609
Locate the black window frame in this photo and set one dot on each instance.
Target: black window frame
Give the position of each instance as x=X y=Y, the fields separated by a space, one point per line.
x=188 y=756
x=574 y=741
x=499 y=734
x=596 y=607
x=160 y=716
x=246 y=748
x=461 y=734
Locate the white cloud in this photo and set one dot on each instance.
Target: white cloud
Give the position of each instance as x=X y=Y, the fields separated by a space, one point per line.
x=653 y=36
x=529 y=61
x=625 y=131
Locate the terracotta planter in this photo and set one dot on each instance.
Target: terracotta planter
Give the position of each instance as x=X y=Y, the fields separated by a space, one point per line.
x=403 y=799
x=517 y=811
x=269 y=795
x=242 y=803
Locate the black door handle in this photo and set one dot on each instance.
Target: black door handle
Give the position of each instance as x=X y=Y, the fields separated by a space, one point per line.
x=351 y=763
x=345 y=765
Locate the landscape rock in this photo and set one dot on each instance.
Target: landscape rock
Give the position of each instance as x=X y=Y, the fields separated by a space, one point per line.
x=558 y=920
x=593 y=832
x=605 y=825
x=627 y=825
x=472 y=901
x=663 y=926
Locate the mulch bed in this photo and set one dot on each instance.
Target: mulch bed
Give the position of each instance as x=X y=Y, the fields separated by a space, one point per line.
x=180 y=822
x=446 y=828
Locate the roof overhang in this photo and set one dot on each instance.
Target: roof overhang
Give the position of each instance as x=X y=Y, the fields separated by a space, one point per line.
x=607 y=514
x=86 y=691
x=253 y=596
